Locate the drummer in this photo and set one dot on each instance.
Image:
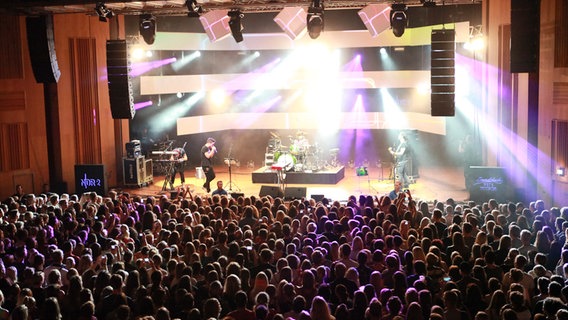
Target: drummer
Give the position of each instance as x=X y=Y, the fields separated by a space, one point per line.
x=300 y=144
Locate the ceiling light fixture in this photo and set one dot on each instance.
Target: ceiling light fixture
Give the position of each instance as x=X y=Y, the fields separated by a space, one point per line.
x=103 y=12
x=148 y=27
x=398 y=19
x=428 y=3
x=194 y=10
x=235 y=16
x=315 y=19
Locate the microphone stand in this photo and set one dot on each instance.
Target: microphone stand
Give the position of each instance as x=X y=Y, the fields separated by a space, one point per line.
x=229 y=161
x=169 y=169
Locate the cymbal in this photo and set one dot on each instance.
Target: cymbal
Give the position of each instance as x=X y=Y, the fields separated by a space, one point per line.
x=274 y=135
x=300 y=133
x=230 y=161
x=334 y=150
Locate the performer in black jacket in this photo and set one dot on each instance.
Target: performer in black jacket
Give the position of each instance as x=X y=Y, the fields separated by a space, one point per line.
x=208 y=151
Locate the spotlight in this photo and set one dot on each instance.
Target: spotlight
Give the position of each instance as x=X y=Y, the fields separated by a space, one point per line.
x=398 y=19
x=235 y=16
x=194 y=10
x=428 y=3
x=103 y=12
x=315 y=19
x=148 y=27
x=560 y=171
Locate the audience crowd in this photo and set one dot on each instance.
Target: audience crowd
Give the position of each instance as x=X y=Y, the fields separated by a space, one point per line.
x=214 y=257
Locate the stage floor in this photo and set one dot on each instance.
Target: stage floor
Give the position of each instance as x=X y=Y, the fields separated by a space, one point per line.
x=433 y=183
x=327 y=176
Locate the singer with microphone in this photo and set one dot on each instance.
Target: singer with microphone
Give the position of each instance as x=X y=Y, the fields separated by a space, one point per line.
x=207 y=152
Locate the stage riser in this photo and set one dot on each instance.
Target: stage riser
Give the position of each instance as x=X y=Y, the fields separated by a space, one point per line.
x=325 y=177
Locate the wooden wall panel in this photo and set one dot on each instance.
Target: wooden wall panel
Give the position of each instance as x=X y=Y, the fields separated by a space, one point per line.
x=12 y=101
x=559 y=148
x=85 y=100
x=561 y=36
x=12 y=49
x=560 y=93
x=15 y=153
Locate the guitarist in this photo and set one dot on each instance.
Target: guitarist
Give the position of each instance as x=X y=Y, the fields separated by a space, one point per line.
x=401 y=155
x=179 y=157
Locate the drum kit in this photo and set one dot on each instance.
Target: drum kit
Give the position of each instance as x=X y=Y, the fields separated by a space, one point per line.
x=300 y=155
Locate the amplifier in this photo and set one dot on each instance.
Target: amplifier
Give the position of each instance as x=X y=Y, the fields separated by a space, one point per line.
x=133 y=149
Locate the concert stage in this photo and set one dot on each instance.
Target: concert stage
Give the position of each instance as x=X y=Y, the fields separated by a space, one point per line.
x=327 y=176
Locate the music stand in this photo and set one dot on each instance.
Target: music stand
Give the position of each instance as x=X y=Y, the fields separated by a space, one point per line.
x=229 y=161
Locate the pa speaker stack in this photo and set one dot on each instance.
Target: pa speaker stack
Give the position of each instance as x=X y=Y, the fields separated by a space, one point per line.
x=119 y=83
x=525 y=35
x=41 y=45
x=442 y=73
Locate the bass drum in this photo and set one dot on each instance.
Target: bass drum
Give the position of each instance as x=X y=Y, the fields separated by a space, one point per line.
x=286 y=160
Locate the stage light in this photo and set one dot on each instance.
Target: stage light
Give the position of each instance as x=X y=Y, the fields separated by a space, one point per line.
x=148 y=27
x=103 y=12
x=292 y=20
x=476 y=40
x=428 y=3
x=194 y=10
x=235 y=16
x=398 y=19
x=315 y=19
x=560 y=171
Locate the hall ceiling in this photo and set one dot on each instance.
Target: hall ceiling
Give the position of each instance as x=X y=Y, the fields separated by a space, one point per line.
x=178 y=7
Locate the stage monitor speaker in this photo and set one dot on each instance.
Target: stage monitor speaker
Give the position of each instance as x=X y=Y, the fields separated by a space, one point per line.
x=292 y=193
x=119 y=84
x=236 y=195
x=318 y=197
x=442 y=73
x=525 y=35
x=174 y=194
x=273 y=191
x=41 y=45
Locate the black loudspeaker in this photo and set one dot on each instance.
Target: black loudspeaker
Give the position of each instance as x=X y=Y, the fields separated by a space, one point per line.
x=41 y=46
x=525 y=35
x=442 y=73
x=295 y=193
x=274 y=192
x=119 y=84
x=318 y=197
x=174 y=195
x=236 y=195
